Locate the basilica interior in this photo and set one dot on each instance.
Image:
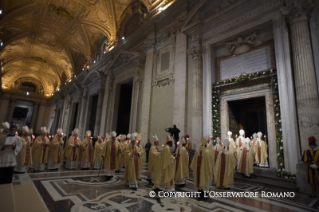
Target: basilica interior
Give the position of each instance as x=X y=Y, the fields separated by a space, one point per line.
x=127 y=66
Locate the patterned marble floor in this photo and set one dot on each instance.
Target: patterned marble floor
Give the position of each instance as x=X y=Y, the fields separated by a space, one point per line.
x=78 y=191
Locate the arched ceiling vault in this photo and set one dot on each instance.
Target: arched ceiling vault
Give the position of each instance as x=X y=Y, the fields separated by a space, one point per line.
x=51 y=40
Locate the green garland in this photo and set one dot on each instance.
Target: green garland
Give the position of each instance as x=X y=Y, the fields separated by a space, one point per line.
x=243 y=78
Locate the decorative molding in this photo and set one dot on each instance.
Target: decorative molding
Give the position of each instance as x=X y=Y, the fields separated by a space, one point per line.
x=195 y=52
x=164 y=65
x=214 y=30
x=241 y=45
x=164 y=82
x=297 y=10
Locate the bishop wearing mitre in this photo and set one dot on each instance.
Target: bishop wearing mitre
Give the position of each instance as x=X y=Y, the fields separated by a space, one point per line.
x=202 y=168
x=55 y=151
x=153 y=161
x=240 y=142
x=24 y=159
x=72 y=150
x=122 y=139
x=216 y=149
x=224 y=167
x=182 y=162
x=86 y=150
x=246 y=160
x=112 y=156
x=40 y=150
x=142 y=153
x=132 y=168
x=261 y=151
x=98 y=155
x=167 y=167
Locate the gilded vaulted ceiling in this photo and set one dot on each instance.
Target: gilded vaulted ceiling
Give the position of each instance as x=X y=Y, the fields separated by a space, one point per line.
x=51 y=40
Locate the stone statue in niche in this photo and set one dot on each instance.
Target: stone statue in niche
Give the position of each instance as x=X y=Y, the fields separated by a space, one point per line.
x=241 y=45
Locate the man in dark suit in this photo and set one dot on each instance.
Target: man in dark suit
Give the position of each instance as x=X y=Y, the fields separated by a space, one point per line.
x=174 y=131
x=147 y=149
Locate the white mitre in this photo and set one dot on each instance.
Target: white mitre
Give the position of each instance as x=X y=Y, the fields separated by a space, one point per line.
x=88 y=133
x=59 y=131
x=241 y=132
x=113 y=134
x=25 y=129
x=44 y=130
x=6 y=125
x=76 y=131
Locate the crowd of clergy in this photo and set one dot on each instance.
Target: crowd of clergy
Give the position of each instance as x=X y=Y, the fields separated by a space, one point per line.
x=211 y=164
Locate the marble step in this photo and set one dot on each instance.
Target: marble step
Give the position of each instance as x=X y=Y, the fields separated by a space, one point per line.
x=268 y=178
x=27 y=198
x=7 y=198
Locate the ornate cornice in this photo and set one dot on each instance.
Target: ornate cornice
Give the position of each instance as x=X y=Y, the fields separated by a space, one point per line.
x=297 y=10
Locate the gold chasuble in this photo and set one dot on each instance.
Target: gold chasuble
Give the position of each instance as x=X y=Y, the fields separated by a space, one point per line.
x=141 y=158
x=25 y=153
x=132 y=168
x=246 y=161
x=97 y=155
x=202 y=167
x=261 y=151
x=86 y=152
x=153 y=163
x=72 y=152
x=182 y=162
x=112 y=156
x=224 y=169
x=40 y=151
x=24 y=158
x=167 y=170
x=55 y=153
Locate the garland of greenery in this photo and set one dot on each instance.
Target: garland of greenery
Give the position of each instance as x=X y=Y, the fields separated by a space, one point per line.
x=243 y=78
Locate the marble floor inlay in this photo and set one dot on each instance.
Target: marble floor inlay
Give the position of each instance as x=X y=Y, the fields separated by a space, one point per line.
x=85 y=191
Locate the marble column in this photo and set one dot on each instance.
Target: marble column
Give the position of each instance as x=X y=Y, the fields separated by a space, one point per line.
x=289 y=122
x=80 y=102
x=98 y=112
x=4 y=108
x=147 y=93
x=304 y=71
x=180 y=88
x=104 y=109
x=11 y=110
x=82 y=121
x=35 y=115
x=40 y=117
x=134 y=106
x=108 y=127
x=62 y=108
x=197 y=120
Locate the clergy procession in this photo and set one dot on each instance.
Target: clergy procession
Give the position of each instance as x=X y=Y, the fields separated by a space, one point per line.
x=169 y=166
